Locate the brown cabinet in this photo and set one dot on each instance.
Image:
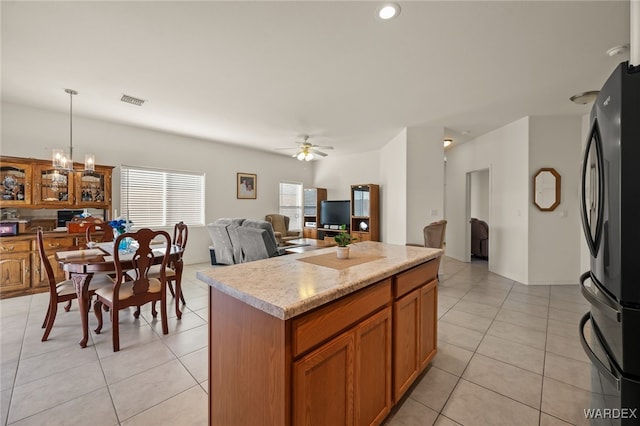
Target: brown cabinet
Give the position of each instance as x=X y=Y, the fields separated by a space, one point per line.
x=15 y=183
x=414 y=324
x=311 y=210
x=15 y=266
x=365 y=212
x=33 y=183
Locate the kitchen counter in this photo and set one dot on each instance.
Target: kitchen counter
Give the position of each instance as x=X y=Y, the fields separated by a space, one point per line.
x=310 y=339
x=285 y=286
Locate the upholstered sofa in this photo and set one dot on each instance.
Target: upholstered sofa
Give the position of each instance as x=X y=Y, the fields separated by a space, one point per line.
x=479 y=238
x=237 y=240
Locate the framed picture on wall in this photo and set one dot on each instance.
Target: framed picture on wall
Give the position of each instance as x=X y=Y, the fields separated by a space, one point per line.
x=247 y=186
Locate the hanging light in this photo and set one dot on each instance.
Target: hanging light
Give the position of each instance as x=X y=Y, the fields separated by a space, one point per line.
x=60 y=160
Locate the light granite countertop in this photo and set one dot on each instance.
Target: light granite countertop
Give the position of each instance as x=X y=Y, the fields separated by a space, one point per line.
x=286 y=287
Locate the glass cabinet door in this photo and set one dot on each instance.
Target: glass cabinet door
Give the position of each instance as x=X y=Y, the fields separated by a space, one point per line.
x=93 y=188
x=15 y=184
x=52 y=186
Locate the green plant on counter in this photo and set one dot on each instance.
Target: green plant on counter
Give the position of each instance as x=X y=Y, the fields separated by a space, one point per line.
x=343 y=239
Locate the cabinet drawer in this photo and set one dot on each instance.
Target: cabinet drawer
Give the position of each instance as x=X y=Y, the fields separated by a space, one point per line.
x=14 y=246
x=415 y=277
x=56 y=243
x=317 y=326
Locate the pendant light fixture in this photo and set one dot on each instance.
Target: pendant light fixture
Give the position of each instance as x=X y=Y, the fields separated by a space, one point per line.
x=60 y=160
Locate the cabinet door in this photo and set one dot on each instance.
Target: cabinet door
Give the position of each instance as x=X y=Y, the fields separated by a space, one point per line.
x=310 y=233
x=373 y=369
x=428 y=322
x=15 y=184
x=52 y=187
x=93 y=189
x=406 y=329
x=323 y=384
x=14 y=272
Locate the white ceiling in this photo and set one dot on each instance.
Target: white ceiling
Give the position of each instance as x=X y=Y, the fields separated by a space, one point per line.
x=263 y=73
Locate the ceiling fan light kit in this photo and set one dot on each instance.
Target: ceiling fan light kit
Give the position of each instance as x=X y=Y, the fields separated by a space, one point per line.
x=308 y=151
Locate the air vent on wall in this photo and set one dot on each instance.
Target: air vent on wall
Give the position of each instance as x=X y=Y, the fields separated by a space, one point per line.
x=131 y=100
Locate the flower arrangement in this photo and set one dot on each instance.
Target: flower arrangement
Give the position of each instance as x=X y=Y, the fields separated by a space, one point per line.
x=120 y=225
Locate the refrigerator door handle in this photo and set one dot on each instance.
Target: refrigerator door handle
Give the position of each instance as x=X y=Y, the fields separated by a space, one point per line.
x=609 y=309
x=612 y=375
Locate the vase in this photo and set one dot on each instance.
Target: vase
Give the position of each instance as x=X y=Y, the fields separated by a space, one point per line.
x=343 y=252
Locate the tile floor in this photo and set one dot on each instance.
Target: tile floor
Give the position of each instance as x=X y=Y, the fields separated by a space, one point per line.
x=508 y=355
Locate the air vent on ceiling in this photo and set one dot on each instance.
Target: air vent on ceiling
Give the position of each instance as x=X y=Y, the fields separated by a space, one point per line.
x=131 y=100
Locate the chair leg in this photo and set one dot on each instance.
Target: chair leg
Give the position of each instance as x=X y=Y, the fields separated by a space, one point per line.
x=67 y=306
x=46 y=317
x=163 y=316
x=154 y=312
x=179 y=297
x=136 y=314
x=97 y=309
x=51 y=318
x=171 y=289
x=116 y=330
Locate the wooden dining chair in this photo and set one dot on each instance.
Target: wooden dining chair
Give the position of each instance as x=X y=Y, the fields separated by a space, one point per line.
x=135 y=286
x=174 y=271
x=63 y=291
x=104 y=227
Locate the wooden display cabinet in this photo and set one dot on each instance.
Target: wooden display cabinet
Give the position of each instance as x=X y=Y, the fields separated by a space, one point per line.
x=311 y=210
x=365 y=212
x=93 y=189
x=52 y=187
x=15 y=181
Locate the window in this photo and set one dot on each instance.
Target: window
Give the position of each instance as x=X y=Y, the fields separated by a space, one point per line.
x=291 y=203
x=161 y=198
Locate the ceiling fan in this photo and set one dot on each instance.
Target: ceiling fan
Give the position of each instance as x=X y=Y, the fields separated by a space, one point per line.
x=307 y=151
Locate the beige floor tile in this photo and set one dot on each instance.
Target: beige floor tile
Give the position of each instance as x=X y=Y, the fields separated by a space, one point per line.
x=485 y=311
x=446 y=302
x=138 y=393
x=547 y=420
x=412 y=413
x=526 y=308
x=459 y=336
x=524 y=320
x=205 y=386
x=506 y=379
x=569 y=348
x=569 y=371
x=471 y=404
x=5 y=401
x=197 y=363
x=579 y=307
x=527 y=298
x=187 y=408
x=8 y=372
x=566 y=316
x=464 y=319
x=451 y=358
x=452 y=292
x=188 y=341
x=189 y=320
x=568 y=330
x=522 y=356
x=567 y=402
x=136 y=359
x=434 y=388
x=445 y=421
x=518 y=334
x=535 y=290
x=131 y=335
x=54 y=390
x=94 y=408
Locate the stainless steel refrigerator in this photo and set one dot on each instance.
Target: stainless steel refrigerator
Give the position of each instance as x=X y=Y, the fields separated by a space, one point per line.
x=611 y=223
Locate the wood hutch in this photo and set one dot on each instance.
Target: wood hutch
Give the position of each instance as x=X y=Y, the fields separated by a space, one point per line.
x=29 y=183
x=312 y=207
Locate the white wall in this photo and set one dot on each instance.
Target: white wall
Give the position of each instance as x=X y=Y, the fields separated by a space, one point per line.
x=393 y=178
x=30 y=132
x=480 y=195
x=505 y=152
x=337 y=173
x=424 y=181
x=554 y=237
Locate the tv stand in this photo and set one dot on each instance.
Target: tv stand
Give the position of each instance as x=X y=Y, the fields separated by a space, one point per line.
x=328 y=232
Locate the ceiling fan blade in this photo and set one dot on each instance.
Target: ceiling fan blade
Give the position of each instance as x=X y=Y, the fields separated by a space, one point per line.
x=283 y=148
x=320 y=153
x=322 y=147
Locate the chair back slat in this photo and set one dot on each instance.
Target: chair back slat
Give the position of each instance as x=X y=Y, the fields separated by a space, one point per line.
x=45 y=260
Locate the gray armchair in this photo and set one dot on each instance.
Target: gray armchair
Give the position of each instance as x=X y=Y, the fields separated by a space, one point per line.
x=479 y=238
x=240 y=240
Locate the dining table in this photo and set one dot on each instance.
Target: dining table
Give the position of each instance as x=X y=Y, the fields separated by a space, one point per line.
x=81 y=262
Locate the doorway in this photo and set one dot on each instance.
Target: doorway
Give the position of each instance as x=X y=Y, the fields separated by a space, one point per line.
x=478 y=209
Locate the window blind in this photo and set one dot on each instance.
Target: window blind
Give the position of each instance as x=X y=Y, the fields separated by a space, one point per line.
x=161 y=198
x=291 y=203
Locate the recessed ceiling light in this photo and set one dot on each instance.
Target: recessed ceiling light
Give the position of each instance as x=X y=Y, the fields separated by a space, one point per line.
x=447 y=142
x=389 y=11
x=585 y=97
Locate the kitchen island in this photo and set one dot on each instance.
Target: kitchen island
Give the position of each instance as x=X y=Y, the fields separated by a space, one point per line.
x=307 y=339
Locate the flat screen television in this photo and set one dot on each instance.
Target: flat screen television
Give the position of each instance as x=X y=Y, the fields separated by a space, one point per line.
x=335 y=212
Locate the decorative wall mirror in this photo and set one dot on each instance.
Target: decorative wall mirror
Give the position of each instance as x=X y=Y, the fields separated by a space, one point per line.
x=546 y=189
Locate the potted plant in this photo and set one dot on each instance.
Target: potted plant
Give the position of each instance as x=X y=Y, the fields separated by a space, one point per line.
x=343 y=239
